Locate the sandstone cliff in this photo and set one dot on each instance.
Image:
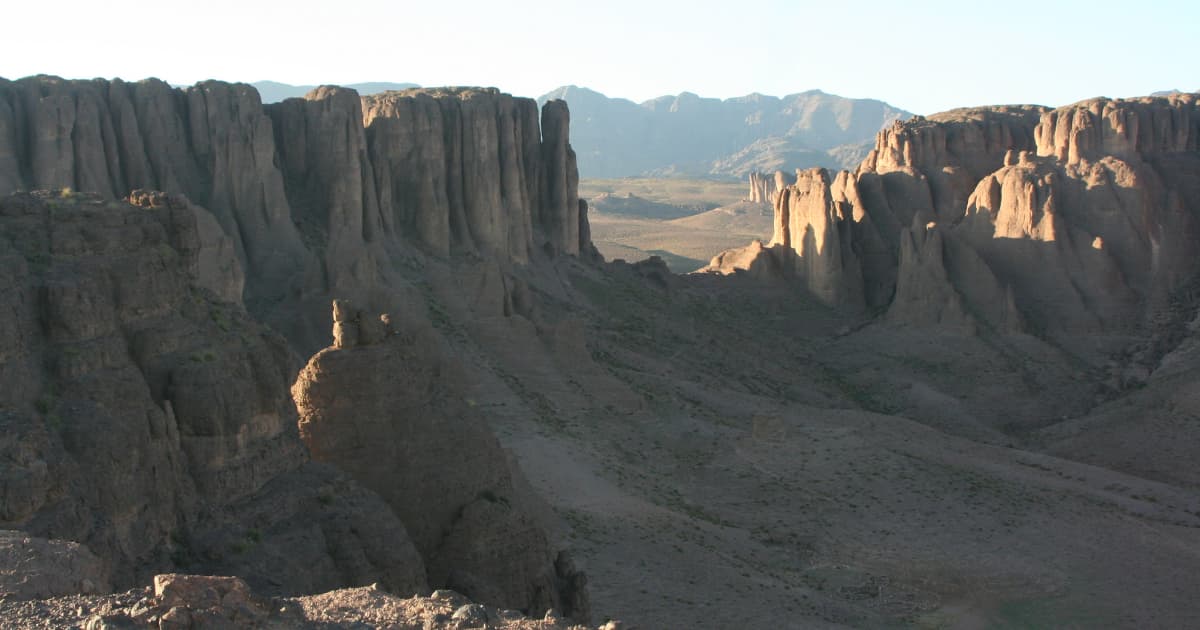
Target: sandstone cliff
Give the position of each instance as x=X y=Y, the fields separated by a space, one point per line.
x=146 y=413
x=1066 y=222
x=389 y=405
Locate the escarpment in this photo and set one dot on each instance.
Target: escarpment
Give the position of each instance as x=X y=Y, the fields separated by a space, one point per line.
x=146 y=413
x=388 y=404
x=149 y=415
x=1076 y=221
x=320 y=195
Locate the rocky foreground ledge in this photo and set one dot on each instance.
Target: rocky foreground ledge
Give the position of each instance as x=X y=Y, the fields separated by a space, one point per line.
x=180 y=601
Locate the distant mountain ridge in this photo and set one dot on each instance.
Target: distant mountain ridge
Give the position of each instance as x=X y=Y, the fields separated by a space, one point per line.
x=688 y=135
x=273 y=91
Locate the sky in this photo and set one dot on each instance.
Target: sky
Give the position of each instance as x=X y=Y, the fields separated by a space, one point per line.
x=920 y=56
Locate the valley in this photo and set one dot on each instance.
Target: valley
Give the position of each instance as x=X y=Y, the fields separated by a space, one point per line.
x=388 y=359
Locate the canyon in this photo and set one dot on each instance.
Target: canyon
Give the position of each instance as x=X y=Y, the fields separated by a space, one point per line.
x=341 y=341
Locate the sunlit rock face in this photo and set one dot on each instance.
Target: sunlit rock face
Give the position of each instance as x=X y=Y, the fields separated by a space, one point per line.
x=1078 y=220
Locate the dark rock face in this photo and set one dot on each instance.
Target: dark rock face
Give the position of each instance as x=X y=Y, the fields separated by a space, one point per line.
x=389 y=405
x=149 y=415
x=318 y=194
x=1074 y=221
x=148 y=419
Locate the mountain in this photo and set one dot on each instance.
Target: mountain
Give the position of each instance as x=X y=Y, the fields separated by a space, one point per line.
x=273 y=91
x=687 y=135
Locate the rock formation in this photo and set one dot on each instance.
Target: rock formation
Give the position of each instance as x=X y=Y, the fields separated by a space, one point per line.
x=1065 y=222
x=763 y=187
x=157 y=308
x=814 y=228
x=389 y=405
x=319 y=195
x=146 y=416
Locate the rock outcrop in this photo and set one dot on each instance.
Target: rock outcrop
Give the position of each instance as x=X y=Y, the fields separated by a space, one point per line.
x=389 y=405
x=320 y=195
x=1075 y=221
x=1127 y=129
x=814 y=227
x=764 y=187
x=147 y=418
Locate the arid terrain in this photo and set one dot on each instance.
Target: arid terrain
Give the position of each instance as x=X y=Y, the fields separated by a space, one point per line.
x=345 y=341
x=683 y=221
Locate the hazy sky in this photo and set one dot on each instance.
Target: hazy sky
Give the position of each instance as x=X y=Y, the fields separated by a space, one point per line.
x=921 y=56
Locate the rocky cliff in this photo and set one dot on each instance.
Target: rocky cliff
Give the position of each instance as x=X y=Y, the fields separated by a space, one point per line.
x=320 y=195
x=1074 y=221
x=149 y=408
x=146 y=414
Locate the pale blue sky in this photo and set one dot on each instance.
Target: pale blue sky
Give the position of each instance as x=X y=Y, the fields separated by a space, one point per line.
x=921 y=56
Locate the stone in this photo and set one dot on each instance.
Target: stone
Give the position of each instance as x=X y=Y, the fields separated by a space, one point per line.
x=471 y=615
x=175 y=618
x=113 y=621
x=37 y=568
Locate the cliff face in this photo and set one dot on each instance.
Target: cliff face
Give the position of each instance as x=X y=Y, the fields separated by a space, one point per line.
x=467 y=171
x=147 y=417
x=157 y=313
x=320 y=195
x=813 y=228
x=1075 y=221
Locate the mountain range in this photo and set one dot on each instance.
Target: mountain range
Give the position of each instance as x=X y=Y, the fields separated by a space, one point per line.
x=691 y=136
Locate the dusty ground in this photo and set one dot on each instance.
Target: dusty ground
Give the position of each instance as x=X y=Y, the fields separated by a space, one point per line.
x=725 y=455
x=631 y=219
x=685 y=244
